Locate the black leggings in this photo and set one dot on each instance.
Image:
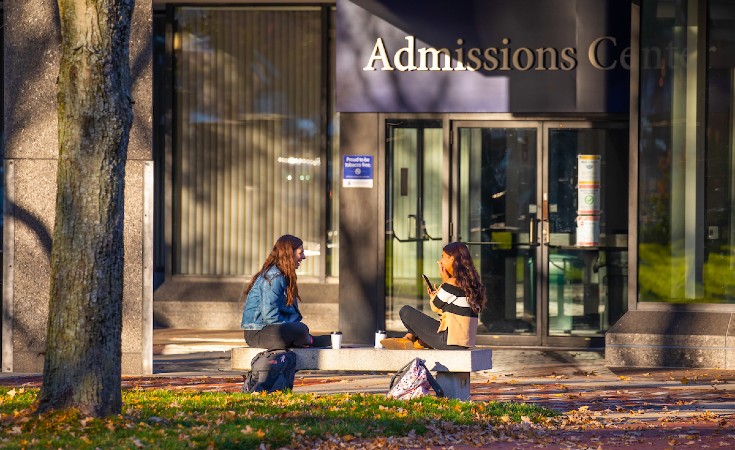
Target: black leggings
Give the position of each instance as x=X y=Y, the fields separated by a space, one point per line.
x=424 y=328
x=285 y=335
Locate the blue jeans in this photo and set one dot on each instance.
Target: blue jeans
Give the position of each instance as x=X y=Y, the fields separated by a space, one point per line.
x=285 y=335
x=424 y=328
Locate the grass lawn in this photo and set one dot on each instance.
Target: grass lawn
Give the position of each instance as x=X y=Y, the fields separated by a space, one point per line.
x=164 y=419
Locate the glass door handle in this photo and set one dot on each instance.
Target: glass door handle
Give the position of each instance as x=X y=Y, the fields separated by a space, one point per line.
x=392 y=233
x=415 y=227
x=532 y=232
x=421 y=234
x=425 y=235
x=545 y=219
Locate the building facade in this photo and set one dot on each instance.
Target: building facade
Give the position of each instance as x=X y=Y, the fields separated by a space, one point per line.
x=31 y=55
x=683 y=189
x=582 y=149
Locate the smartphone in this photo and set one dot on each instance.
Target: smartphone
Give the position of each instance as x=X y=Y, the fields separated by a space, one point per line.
x=428 y=283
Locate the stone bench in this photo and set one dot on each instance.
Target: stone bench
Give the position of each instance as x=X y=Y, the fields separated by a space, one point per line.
x=452 y=367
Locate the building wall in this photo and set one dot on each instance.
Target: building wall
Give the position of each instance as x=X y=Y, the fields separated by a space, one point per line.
x=32 y=54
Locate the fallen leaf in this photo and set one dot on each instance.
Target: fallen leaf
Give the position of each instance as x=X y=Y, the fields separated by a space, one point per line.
x=85 y=421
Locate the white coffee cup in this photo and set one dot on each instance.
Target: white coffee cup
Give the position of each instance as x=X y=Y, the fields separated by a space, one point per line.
x=336 y=339
x=379 y=336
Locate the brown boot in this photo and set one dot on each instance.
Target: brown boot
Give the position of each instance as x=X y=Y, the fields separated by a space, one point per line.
x=418 y=344
x=397 y=344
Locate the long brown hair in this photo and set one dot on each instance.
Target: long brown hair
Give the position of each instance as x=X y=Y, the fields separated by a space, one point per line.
x=282 y=257
x=467 y=277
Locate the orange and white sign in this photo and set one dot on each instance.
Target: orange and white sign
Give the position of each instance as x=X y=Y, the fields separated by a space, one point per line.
x=588 y=231
x=588 y=170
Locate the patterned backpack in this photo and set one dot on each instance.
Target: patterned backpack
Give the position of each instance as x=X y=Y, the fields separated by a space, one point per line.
x=414 y=380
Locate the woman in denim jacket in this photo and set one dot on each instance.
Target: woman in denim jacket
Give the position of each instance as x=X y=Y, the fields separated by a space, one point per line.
x=271 y=317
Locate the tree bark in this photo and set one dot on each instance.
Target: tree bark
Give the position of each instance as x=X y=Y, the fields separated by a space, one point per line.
x=82 y=365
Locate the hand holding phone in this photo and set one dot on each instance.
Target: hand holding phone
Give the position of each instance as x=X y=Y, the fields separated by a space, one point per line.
x=429 y=286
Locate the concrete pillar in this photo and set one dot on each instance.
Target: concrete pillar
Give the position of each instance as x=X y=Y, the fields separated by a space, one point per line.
x=361 y=266
x=32 y=54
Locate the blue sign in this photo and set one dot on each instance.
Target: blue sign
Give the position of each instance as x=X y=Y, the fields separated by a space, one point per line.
x=357 y=171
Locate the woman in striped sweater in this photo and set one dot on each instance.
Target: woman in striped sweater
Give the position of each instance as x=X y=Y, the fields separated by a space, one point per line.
x=458 y=301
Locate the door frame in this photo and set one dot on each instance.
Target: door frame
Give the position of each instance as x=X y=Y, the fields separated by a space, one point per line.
x=450 y=122
x=382 y=173
x=547 y=125
x=503 y=339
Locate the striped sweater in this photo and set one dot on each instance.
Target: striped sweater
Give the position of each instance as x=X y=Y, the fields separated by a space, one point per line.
x=456 y=315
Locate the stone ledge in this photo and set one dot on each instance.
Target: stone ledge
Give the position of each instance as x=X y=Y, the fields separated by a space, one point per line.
x=672 y=323
x=369 y=359
x=665 y=340
x=697 y=339
x=661 y=356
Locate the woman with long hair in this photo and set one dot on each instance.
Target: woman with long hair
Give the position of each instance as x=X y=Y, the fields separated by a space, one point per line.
x=271 y=317
x=458 y=301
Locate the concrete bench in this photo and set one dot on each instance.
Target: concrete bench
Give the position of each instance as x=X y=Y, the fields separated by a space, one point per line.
x=452 y=367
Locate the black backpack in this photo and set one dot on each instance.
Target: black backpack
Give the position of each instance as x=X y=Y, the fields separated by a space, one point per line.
x=271 y=370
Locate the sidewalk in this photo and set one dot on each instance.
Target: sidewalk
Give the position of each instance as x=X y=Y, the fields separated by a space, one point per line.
x=559 y=379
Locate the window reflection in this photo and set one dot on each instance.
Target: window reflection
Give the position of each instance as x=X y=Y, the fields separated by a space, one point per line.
x=249 y=137
x=686 y=162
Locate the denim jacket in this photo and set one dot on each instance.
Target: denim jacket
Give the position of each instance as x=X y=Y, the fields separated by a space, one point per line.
x=266 y=302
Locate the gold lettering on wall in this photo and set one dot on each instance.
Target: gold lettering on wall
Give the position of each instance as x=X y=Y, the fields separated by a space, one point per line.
x=603 y=53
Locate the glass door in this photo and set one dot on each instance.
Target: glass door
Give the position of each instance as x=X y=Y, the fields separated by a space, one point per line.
x=585 y=230
x=543 y=206
x=497 y=215
x=417 y=174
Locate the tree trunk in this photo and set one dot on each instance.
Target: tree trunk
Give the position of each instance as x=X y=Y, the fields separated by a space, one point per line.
x=83 y=354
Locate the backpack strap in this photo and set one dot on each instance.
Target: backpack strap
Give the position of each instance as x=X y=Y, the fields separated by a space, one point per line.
x=399 y=374
x=432 y=381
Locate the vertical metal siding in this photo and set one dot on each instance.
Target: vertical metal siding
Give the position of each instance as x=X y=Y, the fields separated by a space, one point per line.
x=249 y=84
